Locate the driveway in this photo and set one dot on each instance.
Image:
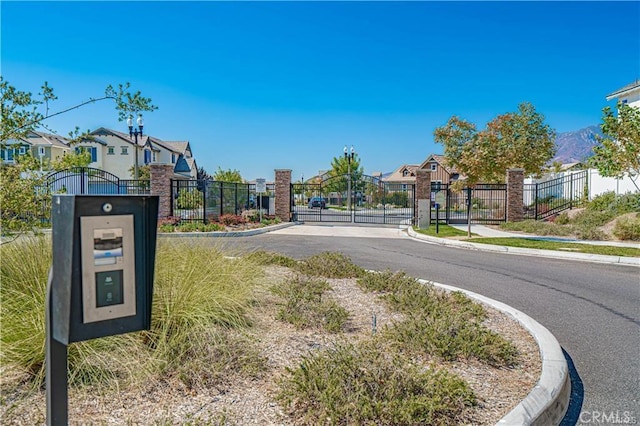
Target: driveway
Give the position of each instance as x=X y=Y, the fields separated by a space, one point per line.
x=592 y=309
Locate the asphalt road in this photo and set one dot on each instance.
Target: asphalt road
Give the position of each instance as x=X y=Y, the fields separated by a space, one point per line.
x=592 y=309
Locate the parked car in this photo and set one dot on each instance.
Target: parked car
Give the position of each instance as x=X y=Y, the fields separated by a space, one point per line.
x=317 y=202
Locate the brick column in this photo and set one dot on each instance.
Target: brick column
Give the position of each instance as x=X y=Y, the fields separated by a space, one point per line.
x=161 y=175
x=283 y=195
x=515 y=195
x=423 y=192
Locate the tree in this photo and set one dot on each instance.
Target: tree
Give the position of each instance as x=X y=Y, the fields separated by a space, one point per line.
x=336 y=178
x=618 y=154
x=22 y=193
x=20 y=113
x=228 y=175
x=202 y=174
x=144 y=172
x=517 y=139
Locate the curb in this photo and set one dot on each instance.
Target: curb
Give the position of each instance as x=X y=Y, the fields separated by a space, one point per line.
x=214 y=234
x=548 y=401
x=596 y=258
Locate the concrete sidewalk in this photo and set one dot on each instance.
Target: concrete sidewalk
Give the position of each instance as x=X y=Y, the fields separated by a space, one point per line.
x=486 y=231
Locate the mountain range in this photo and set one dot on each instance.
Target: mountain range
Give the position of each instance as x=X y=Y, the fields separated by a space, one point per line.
x=576 y=146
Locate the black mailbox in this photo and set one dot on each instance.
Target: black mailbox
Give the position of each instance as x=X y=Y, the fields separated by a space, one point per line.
x=104 y=255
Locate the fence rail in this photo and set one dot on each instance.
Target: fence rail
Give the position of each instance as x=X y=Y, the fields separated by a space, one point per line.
x=545 y=199
x=207 y=200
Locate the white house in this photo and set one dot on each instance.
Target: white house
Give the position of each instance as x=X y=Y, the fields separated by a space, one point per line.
x=629 y=94
x=115 y=152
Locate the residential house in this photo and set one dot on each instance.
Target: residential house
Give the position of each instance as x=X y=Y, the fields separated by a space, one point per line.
x=629 y=94
x=43 y=146
x=115 y=152
x=405 y=174
x=441 y=172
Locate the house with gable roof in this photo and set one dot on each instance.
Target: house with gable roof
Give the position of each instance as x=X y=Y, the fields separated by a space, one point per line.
x=115 y=153
x=41 y=145
x=440 y=171
x=629 y=94
x=405 y=174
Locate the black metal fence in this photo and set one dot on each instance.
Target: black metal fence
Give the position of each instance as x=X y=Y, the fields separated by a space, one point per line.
x=353 y=198
x=84 y=181
x=545 y=199
x=207 y=200
x=488 y=203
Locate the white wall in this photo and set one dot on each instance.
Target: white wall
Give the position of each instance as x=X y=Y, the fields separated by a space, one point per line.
x=599 y=184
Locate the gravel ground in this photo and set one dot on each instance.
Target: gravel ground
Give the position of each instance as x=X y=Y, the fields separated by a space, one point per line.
x=251 y=401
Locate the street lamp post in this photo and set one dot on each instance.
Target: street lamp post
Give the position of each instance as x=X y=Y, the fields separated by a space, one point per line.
x=134 y=134
x=348 y=155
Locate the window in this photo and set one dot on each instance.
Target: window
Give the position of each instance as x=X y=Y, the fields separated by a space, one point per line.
x=111 y=150
x=147 y=156
x=155 y=157
x=41 y=151
x=10 y=153
x=124 y=150
x=22 y=150
x=90 y=149
x=173 y=159
x=405 y=172
x=434 y=167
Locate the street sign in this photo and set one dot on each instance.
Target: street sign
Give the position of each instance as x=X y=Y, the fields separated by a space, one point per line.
x=440 y=198
x=261 y=185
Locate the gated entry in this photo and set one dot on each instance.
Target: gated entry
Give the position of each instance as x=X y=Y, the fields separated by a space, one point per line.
x=488 y=203
x=366 y=199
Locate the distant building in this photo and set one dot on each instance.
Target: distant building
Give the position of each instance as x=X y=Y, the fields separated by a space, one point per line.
x=42 y=146
x=629 y=94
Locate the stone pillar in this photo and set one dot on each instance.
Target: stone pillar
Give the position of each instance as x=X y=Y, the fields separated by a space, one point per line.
x=515 y=195
x=283 y=195
x=423 y=197
x=161 y=175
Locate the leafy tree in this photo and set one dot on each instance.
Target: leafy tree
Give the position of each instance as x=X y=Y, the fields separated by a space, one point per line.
x=336 y=178
x=144 y=172
x=516 y=139
x=229 y=175
x=22 y=194
x=618 y=154
x=202 y=174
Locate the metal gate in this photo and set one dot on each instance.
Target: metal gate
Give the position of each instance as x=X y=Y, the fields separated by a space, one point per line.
x=87 y=180
x=488 y=204
x=347 y=198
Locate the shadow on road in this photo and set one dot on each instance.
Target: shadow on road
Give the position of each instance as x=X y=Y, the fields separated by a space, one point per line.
x=577 y=394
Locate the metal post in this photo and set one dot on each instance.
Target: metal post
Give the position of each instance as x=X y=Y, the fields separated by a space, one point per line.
x=204 y=201
x=135 y=166
x=56 y=371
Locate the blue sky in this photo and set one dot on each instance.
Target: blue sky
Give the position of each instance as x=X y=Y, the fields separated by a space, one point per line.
x=258 y=86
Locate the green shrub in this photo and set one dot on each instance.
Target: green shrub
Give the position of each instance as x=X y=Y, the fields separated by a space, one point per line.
x=372 y=384
x=189 y=200
x=447 y=325
x=628 y=228
x=617 y=205
x=24 y=271
x=199 y=295
x=562 y=219
x=262 y=257
x=305 y=307
x=385 y=281
x=330 y=265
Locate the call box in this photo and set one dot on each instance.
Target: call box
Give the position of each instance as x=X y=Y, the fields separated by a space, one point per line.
x=103 y=263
